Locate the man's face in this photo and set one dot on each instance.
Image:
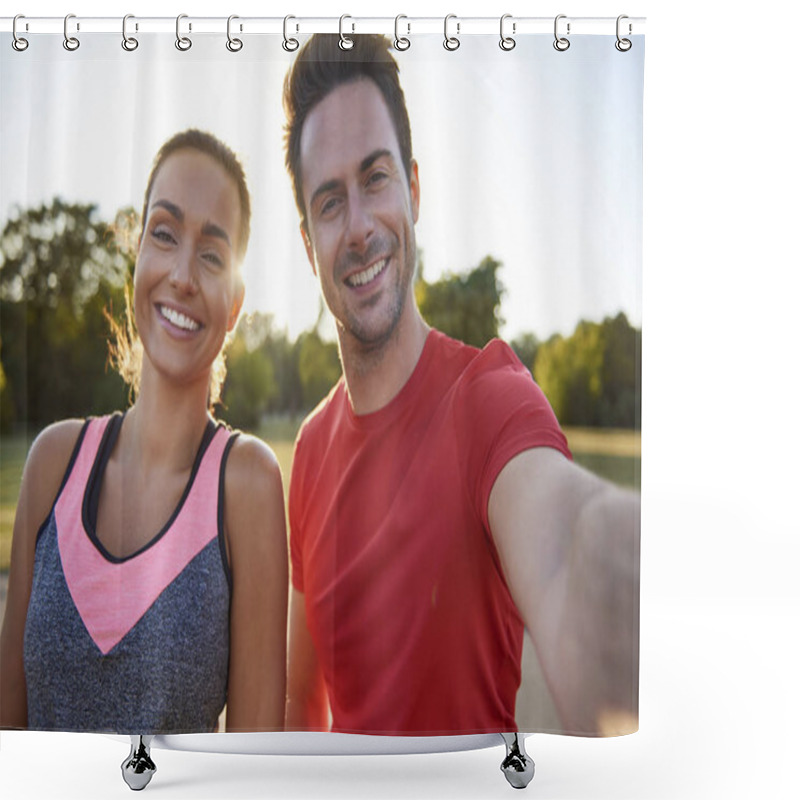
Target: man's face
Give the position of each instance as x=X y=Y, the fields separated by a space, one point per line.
x=361 y=209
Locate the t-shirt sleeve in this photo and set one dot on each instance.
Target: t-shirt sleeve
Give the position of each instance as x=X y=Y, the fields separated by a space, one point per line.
x=506 y=413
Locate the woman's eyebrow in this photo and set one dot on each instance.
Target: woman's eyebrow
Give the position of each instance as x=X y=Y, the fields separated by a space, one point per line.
x=211 y=229
x=174 y=210
x=208 y=229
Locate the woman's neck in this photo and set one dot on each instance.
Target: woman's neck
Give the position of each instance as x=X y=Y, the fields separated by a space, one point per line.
x=166 y=424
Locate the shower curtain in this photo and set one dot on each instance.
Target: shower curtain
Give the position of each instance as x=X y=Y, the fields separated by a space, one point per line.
x=524 y=204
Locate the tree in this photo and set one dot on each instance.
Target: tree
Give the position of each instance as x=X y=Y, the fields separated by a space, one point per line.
x=249 y=385
x=621 y=405
x=594 y=376
x=60 y=266
x=526 y=346
x=318 y=366
x=464 y=306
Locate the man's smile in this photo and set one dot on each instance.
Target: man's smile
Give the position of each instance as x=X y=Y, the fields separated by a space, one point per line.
x=367 y=275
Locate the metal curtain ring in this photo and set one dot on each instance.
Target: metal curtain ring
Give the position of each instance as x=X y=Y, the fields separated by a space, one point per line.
x=561 y=43
x=70 y=42
x=183 y=43
x=623 y=45
x=401 y=42
x=18 y=42
x=451 y=42
x=507 y=42
x=129 y=43
x=345 y=42
x=289 y=44
x=233 y=44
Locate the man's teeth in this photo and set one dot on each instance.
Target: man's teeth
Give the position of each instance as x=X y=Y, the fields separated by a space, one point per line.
x=360 y=278
x=179 y=320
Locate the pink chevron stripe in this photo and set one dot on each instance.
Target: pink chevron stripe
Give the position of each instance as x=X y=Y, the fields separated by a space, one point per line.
x=111 y=598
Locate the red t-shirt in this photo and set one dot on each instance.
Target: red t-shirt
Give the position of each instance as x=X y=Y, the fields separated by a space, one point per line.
x=406 y=603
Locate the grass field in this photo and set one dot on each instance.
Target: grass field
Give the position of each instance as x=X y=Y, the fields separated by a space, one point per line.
x=615 y=455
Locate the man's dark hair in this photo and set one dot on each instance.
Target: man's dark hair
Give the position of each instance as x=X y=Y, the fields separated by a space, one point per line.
x=322 y=66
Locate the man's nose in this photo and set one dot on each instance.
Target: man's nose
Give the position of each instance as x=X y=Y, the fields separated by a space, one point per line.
x=360 y=222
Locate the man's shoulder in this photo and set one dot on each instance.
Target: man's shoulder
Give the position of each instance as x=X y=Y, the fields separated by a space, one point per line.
x=494 y=361
x=325 y=417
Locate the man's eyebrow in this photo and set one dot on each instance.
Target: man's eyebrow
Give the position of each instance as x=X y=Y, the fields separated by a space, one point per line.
x=375 y=156
x=323 y=188
x=334 y=183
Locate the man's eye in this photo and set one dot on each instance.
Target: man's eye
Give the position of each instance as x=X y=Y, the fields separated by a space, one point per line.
x=377 y=177
x=329 y=205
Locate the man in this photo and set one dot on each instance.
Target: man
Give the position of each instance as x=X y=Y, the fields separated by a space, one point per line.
x=434 y=507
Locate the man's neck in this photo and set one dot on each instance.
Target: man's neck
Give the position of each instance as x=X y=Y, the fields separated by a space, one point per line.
x=374 y=376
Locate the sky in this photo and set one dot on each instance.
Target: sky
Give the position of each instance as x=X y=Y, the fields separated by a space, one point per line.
x=531 y=156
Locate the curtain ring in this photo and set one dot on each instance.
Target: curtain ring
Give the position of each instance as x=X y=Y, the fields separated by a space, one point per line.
x=401 y=42
x=129 y=43
x=18 y=42
x=451 y=42
x=345 y=42
x=289 y=44
x=71 y=43
x=507 y=42
x=623 y=45
x=183 y=43
x=561 y=43
x=233 y=44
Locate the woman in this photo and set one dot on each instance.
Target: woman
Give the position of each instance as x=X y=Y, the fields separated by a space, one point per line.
x=148 y=581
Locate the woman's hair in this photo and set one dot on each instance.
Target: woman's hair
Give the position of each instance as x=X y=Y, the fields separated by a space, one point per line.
x=125 y=346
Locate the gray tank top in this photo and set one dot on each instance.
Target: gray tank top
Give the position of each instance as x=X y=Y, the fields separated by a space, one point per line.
x=137 y=644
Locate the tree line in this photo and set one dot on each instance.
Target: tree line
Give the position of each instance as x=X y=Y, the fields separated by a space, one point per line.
x=62 y=266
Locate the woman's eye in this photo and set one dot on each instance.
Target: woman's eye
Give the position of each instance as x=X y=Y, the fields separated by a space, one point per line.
x=214 y=258
x=163 y=235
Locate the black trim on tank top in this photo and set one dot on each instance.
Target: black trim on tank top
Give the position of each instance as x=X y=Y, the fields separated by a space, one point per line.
x=72 y=459
x=221 y=510
x=91 y=496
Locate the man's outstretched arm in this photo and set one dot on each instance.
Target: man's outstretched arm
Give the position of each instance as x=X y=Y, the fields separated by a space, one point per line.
x=569 y=546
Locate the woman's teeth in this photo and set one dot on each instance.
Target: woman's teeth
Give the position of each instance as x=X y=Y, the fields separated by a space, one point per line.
x=179 y=320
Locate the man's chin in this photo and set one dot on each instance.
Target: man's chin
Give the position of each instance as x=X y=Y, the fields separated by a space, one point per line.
x=369 y=337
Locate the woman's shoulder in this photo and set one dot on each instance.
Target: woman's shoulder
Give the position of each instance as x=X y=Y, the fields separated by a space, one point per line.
x=252 y=466
x=48 y=459
x=254 y=500
x=52 y=449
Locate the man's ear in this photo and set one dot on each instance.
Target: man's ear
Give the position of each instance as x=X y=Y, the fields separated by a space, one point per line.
x=413 y=187
x=238 y=301
x=309 y=248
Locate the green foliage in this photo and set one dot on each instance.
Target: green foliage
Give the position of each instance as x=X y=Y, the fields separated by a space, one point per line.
x=263 y=373
x=465 y=306
x=59 y=268
x=594 y=376
x=526 y=345
x=318 y=367
x=249 y=386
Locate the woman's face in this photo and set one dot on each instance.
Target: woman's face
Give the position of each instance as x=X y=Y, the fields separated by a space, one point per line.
x=187 y=291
